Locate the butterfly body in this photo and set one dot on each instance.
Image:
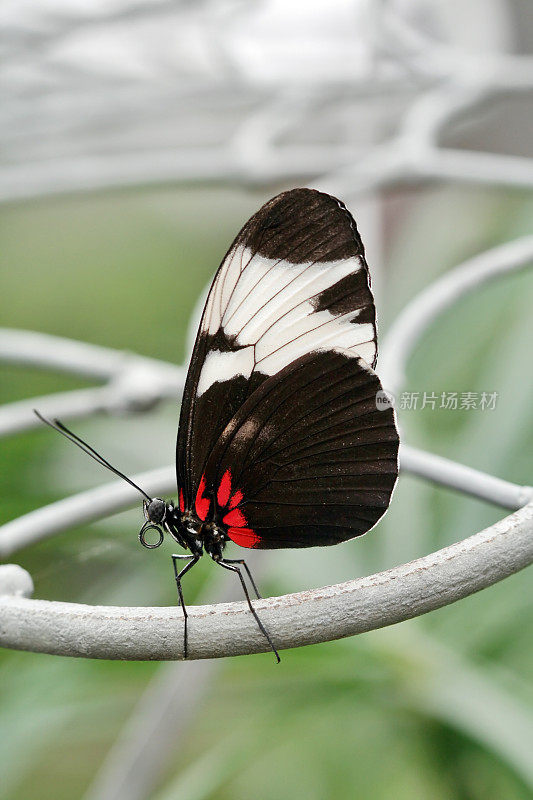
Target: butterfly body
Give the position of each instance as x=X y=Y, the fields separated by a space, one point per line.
x=192 y=533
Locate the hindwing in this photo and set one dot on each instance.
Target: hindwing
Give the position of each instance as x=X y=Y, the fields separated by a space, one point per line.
x=308 y=459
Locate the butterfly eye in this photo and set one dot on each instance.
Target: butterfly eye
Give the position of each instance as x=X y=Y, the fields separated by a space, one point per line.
x=148 y=526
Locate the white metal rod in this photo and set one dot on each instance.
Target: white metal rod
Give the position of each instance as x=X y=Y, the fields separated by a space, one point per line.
x=406 y=332
x=82 y=508
x=294 y=620
x=464 y=479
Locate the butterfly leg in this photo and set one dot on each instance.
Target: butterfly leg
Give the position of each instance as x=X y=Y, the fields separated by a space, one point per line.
x=245 y=565
x=179 y=575
x=228 y=565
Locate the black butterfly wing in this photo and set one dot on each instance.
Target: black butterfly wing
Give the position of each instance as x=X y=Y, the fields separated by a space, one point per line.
x=308 y=459
x=294 y=280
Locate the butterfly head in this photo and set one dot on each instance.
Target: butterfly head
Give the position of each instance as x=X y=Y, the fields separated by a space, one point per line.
x=155 y=512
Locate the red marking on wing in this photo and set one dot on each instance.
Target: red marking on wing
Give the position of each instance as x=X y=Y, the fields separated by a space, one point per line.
x=237 y=522
x=235 y=500
x=201 y=502
x=182 y=501
x=236 y=518
x=224 y=490
x=245 y=537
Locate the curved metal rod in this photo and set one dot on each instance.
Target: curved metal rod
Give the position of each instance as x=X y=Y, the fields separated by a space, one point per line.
x=81 y=508
x=36 y=349
x=418 y=315
x=132 y=382
x=18 y=416
x=461 y=478
x=319 y=615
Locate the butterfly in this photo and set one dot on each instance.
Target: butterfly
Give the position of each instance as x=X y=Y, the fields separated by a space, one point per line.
x=281 y=440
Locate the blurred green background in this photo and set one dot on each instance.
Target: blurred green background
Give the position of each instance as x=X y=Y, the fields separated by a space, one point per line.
x=440 y=707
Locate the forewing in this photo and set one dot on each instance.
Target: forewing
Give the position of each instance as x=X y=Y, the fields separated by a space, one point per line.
x=294 y=280
x=309 y=459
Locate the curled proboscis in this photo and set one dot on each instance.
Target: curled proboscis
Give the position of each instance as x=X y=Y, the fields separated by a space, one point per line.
x=142 y=535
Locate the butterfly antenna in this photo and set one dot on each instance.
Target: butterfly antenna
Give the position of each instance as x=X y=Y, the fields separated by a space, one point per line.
x=58 y=426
